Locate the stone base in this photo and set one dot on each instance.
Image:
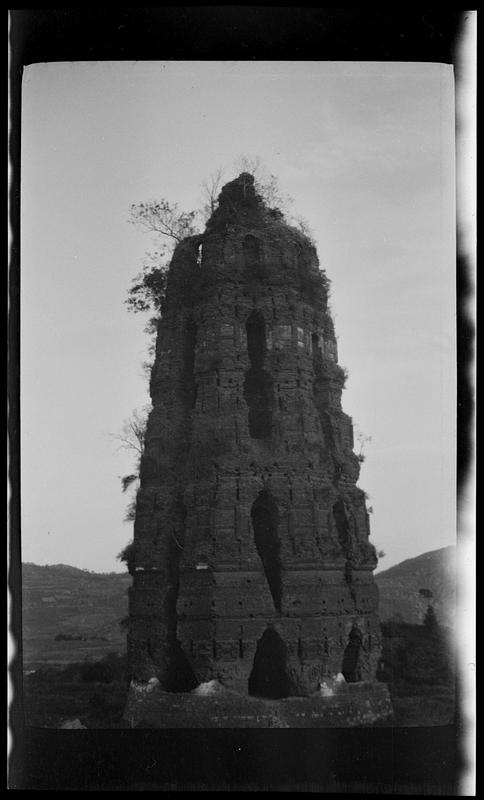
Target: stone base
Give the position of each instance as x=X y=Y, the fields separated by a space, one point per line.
x=353 y=705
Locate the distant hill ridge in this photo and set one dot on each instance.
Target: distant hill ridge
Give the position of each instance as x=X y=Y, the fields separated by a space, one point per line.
x=30 y=567
x=61 y=600
x=429 y=560
x=445 y=556
x=400 y=585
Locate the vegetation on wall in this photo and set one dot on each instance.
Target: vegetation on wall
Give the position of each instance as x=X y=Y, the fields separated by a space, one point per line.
x=170 y=225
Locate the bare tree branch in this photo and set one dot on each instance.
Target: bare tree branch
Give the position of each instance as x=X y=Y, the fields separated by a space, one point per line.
x=160 y=216
x=210 y=191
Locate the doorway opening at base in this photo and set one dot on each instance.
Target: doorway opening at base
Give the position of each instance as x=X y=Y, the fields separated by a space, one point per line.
x=269 y=677
x=351 y=667
x=182 y=678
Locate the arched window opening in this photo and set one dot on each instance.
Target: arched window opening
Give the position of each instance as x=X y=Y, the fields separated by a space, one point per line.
x=264 y=524
x=269 y=677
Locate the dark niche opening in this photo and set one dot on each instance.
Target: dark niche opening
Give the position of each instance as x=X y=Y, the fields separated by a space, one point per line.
x=269 y=676
x=258 y=384
x=251 y=250
x=264 y=524
x=341 y=520
x=343 y=528
x=351 y=657
x=189 y=342
x=316 y=351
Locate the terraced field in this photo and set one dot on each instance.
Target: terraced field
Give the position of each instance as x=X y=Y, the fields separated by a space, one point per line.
x=70 y=615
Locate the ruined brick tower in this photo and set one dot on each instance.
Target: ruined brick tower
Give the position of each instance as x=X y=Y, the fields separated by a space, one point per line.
x=251 y=561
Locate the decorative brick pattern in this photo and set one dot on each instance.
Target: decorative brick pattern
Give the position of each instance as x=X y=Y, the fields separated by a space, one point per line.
x=248 y=516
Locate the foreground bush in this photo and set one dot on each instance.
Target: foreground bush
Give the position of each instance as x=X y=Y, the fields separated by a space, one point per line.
x=93 y=692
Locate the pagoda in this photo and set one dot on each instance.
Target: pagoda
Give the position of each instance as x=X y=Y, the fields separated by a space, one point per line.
x=251 y=559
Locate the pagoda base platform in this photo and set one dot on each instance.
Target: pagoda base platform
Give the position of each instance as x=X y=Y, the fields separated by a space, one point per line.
x=352 y=705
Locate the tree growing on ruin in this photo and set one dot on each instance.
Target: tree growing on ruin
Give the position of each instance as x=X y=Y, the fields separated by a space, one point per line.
x=171 y=225
x=211 y=188
x=132 y=439
x=127 y=555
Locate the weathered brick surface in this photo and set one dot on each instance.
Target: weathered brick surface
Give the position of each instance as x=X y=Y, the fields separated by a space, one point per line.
x=356 y=705
x=249 y=517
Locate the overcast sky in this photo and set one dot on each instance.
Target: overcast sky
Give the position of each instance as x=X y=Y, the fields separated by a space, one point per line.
x=366 y=151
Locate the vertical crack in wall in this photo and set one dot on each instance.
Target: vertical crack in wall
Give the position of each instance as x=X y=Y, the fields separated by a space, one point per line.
x=258 y=384
x=344 y=536
x=264 y=523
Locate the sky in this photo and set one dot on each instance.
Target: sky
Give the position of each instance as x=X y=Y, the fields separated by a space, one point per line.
x=366 y=150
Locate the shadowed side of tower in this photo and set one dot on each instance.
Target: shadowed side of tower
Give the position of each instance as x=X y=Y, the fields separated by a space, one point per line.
x=252 y=563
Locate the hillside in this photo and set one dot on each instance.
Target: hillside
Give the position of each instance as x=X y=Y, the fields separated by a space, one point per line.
x=70 y=614
x=400 y=586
